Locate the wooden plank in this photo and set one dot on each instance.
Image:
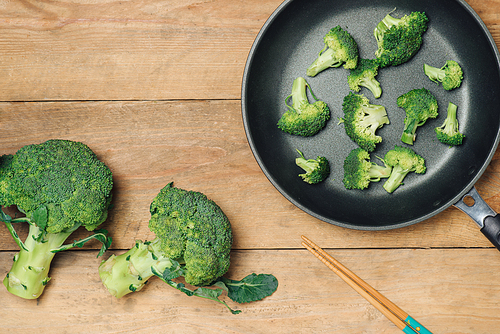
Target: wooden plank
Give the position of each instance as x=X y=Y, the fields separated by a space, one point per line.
x=456 y=294
x=135 y=50
x=128 y=50
x=201 y=145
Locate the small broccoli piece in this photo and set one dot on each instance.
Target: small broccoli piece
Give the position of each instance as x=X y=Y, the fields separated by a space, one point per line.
x=419 y=105
x=316 y=170
x=359 y=171
x=303 y=118
x=59 y=185
x=450 y=75
x=398 y=40
x=362 y=119
x=448 y=133
x=193 y=239
x=340 y=49
x=364 y=76
x=403 y=160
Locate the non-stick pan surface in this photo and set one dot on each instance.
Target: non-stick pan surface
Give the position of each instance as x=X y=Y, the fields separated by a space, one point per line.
x=289 y=42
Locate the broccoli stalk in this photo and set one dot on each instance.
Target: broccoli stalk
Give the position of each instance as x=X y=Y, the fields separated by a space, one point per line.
x=340 y=49
x=326 y=59
x=303 y=118
x=364 y=76
x=316 y=170
x=403 y=160
x=29 y=273
x=396 y=179
x=450 y=75
x=448 y=133
x=58 y=185
x=130 y=271
x=419 y=106
x=410 y=128
x=193 y=240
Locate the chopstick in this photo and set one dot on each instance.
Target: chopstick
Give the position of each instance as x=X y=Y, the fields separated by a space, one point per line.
x=390 y=310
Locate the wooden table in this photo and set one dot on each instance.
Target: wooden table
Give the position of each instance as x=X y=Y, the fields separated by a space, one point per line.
x=153 y=87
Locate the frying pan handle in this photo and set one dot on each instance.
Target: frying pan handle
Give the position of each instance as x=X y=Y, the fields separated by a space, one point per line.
x=487 y=219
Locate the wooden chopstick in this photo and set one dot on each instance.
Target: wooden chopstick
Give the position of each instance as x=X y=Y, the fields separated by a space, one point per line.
x=390 y=310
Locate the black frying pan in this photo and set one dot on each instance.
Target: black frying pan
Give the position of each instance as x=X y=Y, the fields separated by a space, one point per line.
x=288 y=43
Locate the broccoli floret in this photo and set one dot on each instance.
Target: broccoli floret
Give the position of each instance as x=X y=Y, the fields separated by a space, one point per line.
x=359 y=171
x=193 y=239
x=364 y=76
x=340 y=49
x=58 y=186
x=362 y=119
x=448 y=133
x=303 y=118
x=398 y=40
x=403 y=160
x=316 y=170
x=450 y=75
x=419 y=105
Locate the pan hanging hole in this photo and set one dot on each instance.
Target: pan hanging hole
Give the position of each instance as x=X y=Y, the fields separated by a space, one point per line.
x=469 y=201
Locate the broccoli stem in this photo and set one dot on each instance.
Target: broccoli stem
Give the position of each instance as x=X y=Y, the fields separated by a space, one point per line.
x=326 y=59
x=450 y=125
x=29 y=273
x=435 y=74
x=374 y=117
x=130 y=271
x=410 y=128
x=372 y=85
x=396 y=179
x=308 y=165
x=378 y=172
x=299 y=93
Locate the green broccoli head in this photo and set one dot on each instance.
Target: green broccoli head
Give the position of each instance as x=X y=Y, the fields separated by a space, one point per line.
x=193 y=230
x=64 y=176
x=419 y=105
x=403 y=160
x=303 y=118
x=59 y=185
x=362 y=119
x=364 y=76
x=448 y=133
x=316 y=170
x=340 y=49
x=450 y=75
x=398 y=40
x=359 y=171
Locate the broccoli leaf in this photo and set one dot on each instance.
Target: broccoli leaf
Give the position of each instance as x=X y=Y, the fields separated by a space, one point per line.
x=5 y=217
x=251 y=288
x=41 y=217
x=175 y=271
x=171 y=272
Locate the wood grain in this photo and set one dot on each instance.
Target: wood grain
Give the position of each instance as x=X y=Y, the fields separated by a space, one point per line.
x=126 y=50
x=310 y=298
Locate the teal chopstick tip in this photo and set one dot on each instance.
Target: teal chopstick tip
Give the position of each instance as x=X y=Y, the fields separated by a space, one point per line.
x=414 y=326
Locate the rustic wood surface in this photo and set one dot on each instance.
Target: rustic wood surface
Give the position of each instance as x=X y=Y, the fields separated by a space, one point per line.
x=153 y=87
